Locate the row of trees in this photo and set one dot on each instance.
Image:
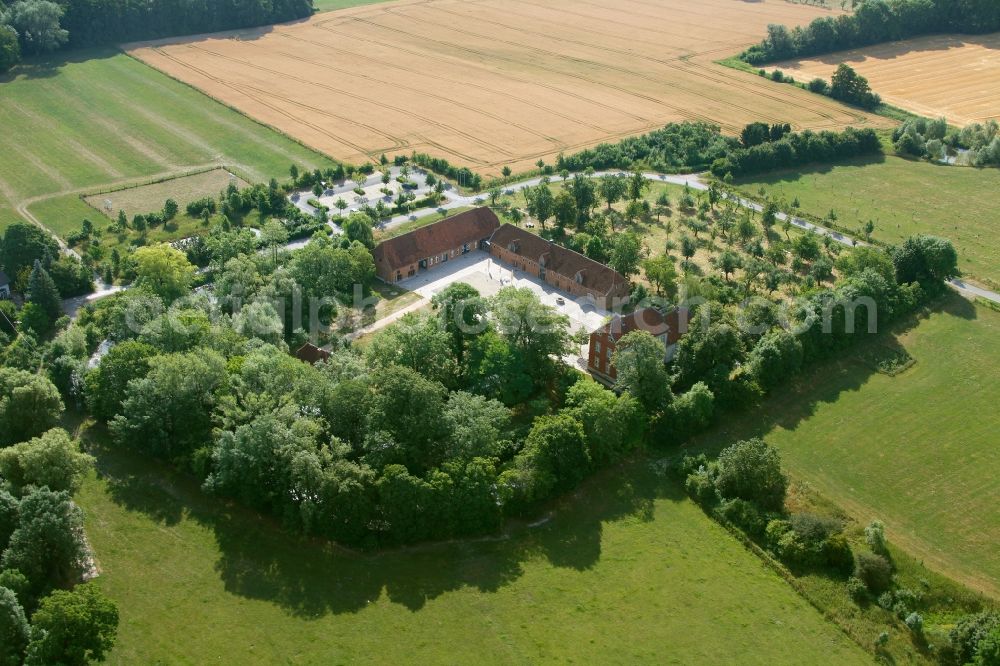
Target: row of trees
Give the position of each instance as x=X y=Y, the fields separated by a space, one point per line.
x=43 y=556
x=692 y=146
x=31 y=27
x=874 y=22
x=678 y=146
x=798 y=149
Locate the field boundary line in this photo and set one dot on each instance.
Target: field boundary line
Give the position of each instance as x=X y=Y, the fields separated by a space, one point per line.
x=256 y=122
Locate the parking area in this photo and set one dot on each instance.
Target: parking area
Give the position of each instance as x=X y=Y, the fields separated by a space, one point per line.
x=489 y=276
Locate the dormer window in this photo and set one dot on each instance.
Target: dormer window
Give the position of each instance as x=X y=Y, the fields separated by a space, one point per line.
x=514 y=246
x=579 y=277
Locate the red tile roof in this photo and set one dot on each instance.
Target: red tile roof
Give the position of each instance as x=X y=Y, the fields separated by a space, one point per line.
x=558 y=259
x=674 y=324
x=468 y=227
x=310 y=353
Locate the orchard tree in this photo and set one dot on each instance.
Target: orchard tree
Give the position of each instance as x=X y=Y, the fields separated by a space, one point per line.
x=688 y=249
x=541 y=203
x=728 y=263
x=637 y=185
x=626 y=254
x=662 y=274
x=612 y=189
x=564 y=209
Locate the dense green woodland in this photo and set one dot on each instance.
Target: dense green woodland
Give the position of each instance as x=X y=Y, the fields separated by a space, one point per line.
x=30 y=27
x=874 y=22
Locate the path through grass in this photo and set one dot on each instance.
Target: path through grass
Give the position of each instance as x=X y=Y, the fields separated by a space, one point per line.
x=100 y=117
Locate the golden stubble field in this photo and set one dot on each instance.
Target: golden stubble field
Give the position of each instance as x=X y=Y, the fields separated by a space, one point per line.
x=955 y=76
x=489 y=83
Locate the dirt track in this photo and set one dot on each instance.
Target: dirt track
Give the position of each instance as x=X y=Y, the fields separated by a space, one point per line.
x=954 y=76
x=497 y=82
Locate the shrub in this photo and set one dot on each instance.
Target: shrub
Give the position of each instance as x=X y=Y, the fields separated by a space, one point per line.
x=818 y=85
x=701 y=488
x=857 y=589
x=744 y=515
x=775 y=530
x=838 y=553
x=751 y=470
x=875 y=537
x=915 y=623
x=874 y=570
x=198 y=207
x=970 y=631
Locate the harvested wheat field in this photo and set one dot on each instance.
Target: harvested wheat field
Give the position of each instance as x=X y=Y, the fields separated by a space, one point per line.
x=497 y=82
x=954 y=76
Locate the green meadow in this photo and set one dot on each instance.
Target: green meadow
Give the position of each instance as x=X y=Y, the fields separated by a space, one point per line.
x=903 y=197
x=917 y=450
x=99 y=118
x=627 y=570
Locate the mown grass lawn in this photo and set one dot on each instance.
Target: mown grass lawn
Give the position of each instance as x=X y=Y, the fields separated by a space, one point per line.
x=101 y=117
x=626 y=571
x=918 y=450
x=904 y=197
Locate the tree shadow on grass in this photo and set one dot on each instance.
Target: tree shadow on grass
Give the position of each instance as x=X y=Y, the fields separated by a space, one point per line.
x=47 y=66
x=824 y=382
x=309 y=578
x=781 y=176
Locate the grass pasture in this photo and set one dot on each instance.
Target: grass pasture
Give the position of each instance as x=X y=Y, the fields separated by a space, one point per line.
x=627 y=571
x=491 y=84
x=149 y=198
x=903 y=197
x=917 y=450
x=101 y=119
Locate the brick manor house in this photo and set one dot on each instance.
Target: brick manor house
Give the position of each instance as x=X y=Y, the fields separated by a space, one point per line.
x=668 y=329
